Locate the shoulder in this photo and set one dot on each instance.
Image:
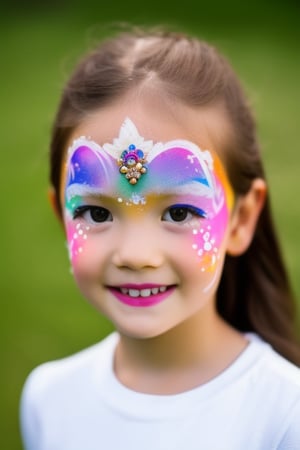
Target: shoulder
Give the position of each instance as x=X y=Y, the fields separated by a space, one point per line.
x=63 y=374
x=272 y=371
x=274 y=367
x=277 y=385
x=290 y=436
x=59 y=386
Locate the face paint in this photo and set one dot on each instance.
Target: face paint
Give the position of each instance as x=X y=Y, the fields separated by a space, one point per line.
x=179 y=169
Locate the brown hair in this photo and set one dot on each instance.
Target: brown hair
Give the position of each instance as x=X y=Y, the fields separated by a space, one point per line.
x=254 y=293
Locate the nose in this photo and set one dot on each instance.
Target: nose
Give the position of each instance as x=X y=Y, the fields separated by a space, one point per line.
x=137 y=248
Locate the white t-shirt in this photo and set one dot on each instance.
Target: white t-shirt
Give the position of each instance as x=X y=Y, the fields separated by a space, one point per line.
x=77 y=403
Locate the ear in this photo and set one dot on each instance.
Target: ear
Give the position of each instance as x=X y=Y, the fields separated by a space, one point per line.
x=52 y=197
x=244 y=218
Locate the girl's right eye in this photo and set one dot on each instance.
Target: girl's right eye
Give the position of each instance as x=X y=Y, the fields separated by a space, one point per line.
x=93 y=214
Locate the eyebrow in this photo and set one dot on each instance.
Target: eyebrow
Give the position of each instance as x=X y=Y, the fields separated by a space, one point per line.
x=192 y=188
x=83 y=190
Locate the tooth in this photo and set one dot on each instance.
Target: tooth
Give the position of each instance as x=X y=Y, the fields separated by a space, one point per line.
x=133 y=292
x=145 y=292
x=155 y=291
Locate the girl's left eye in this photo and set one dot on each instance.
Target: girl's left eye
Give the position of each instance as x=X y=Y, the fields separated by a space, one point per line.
x=182 y=213
x=93 y=214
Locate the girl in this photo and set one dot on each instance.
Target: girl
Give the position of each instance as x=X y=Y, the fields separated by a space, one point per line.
x=157 y=178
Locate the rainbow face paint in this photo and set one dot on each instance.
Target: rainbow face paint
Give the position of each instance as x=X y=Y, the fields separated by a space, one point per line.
x=178 y=169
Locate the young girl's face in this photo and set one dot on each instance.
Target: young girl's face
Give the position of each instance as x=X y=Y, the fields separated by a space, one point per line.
x=146 y=212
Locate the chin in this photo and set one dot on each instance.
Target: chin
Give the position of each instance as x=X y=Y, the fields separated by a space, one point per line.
x=140 y=331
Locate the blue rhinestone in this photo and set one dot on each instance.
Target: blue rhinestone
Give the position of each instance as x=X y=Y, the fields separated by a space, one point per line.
x=131 y=147
x=140 y=154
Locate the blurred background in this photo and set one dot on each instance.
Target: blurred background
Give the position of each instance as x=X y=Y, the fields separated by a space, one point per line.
x=43 y=316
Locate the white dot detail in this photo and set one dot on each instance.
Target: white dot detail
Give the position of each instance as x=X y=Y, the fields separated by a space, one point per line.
x=207 y=246
x=206 y=236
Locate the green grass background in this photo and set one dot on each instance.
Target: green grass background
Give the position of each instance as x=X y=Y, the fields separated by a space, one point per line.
x=42 y=315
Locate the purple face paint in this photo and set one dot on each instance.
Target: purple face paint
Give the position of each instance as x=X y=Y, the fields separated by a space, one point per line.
x=179 y=169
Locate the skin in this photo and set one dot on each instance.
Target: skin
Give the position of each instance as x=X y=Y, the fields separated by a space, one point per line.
x=180 y=342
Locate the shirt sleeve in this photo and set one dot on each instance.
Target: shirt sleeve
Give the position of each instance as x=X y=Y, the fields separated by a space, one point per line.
x=29 y=423
x=291 y=437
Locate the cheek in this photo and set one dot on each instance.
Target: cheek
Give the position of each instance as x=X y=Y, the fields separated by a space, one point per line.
x=77 y=237
x=207 y=239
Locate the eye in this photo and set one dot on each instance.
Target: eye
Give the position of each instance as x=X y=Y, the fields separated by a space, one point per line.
x=93 y=214
x=182 y=213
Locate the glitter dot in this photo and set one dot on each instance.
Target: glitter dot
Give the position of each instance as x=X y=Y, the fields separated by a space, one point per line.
x=207 y=246
x=75 y=235
x=200 y=252
x=84 y=236
x=80 y=232
x=206 y=236
x=202 y=269
x=195 y=246
x=195 y=231
x=87 y=228
x=78 y=226
x=120 y=200
x=80 y=249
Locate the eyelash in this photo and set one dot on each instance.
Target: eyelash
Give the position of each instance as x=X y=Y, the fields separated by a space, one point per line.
x=198 y=212
x=107 y=216
x=81 y=210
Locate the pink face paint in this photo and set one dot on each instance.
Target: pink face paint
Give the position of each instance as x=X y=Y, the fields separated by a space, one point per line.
x=76 y=236
x=177 y=168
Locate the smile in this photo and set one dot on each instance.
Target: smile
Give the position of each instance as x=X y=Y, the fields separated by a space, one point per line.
x=146 y=292
x=141 y=296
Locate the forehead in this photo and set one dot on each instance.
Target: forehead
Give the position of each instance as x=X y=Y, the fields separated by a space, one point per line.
x=157 y=118
x=131 y=165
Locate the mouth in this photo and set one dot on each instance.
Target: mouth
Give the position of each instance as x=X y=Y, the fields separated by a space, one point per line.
x=141 y=295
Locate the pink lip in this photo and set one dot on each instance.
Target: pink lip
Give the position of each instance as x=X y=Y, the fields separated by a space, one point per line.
x=141 y=301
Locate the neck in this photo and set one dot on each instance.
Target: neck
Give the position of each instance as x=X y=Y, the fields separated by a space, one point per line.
x=186 y=356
